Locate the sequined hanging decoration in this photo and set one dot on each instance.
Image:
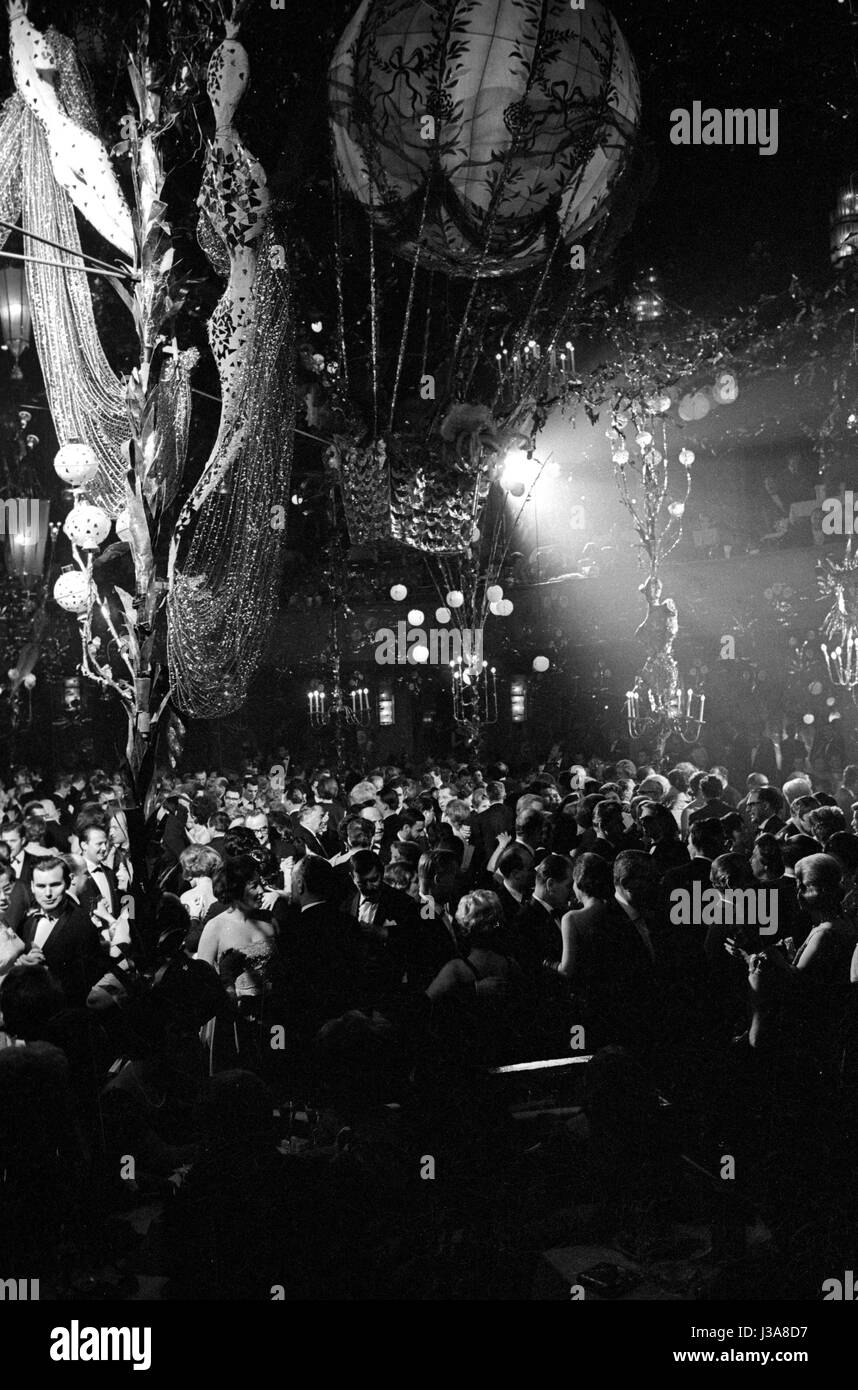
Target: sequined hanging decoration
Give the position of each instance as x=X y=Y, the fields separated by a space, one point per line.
x=86 y=398
x=365 y=484
x=224 y=592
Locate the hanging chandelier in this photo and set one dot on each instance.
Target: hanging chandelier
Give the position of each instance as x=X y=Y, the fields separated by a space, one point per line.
x=678 y=711
x=345 y=707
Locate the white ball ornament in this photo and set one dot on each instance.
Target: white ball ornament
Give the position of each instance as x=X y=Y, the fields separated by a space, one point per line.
x=76 y=463
x=87 y=526
x=494 y=593
x=541 y=663
x=420 y=654
x=455 y=598
x=415 y=616
x=442 y=615
x=72 y=591
x=505 y=607
x=398 y=593
x=686 y=457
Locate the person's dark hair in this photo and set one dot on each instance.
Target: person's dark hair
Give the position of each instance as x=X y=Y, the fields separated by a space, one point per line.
x=707 y=835
x=29 y=997
x=711 y=787
x=512 y=860
x=405 y=852
x=662 y=816
x=232 y=878
x=389 y=798
x=327 y=788
x=48 y=862
x=584 y=812
x=495 y=791
x=90 y=818
x=594 y=876
x=363 y=861
x=8 y=824
x=555 y=866
x=844 y=847
x=770 y=854
x=203 y=807
x=632 y=863
x=320 y=878
x=220 y=821
x=239 y=841
x=400 y=874
x=732 y=871
x=798 y=847
x=678 y=779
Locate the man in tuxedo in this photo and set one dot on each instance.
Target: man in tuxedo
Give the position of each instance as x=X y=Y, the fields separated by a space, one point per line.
x=438 y=940
x=321 y=950
x=60 y=932
x=13 y=835
x=489 y=823
x=100 y=883
x=388 y=924
x=705 y=843
x=310 y=829
x=514 y=868
x=763 y=807
x=536 y=927
x=327 y=790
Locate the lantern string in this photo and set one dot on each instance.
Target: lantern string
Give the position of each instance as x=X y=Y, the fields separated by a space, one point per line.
x=69 y=250
x=59 y=265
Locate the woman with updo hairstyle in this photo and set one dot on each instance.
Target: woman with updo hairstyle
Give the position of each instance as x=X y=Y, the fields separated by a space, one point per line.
x=241 y=945
x=480 y=993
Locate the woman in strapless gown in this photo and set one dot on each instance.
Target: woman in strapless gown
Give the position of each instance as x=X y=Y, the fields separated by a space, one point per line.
x=242 y=947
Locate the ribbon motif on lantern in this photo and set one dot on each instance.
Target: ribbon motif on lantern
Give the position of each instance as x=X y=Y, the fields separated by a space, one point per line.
x=51 y=156
x=223 y=592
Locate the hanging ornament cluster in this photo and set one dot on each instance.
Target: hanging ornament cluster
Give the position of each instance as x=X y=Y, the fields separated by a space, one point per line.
x=76 y=463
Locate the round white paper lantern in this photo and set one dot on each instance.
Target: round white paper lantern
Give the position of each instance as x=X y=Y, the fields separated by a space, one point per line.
x=72 y=591
x=495 y=607
x=621 y=456
x=494 y=593
x=415 y=616
x=76 y=463
x=442 y=615
x=516 y=490
x=686 y=457
x=455 y=598
x=420 y=654
x=505 y=607
x=541 y=663
x=701 y=405
x=398 y=593
x=686 y=408
x=87 y=526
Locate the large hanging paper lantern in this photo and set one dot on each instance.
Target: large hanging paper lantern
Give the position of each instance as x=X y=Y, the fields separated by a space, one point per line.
x=86 y=526
x=76 y=464
x=72 y=591
x=508 y=121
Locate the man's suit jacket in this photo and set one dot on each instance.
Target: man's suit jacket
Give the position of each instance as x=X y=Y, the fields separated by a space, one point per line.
x=613 y=976
x=29 y=863
x=387 y=958
x=73 y=952
x=20 y=901
x=535 y=936
x=488 y=824
x=321 y=949
x=90 y=893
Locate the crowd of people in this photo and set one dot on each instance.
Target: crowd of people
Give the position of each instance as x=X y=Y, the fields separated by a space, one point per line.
x=268 y=1002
